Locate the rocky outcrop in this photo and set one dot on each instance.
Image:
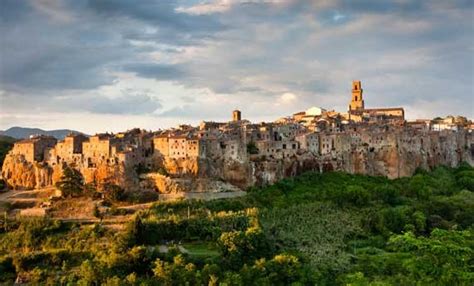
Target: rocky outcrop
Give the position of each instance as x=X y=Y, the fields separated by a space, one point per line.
x=166 y=185
x=120 y=175
x=182 y=167
x=21 y=174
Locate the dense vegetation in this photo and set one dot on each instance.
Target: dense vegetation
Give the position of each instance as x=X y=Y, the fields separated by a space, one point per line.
x=6 y=143
x=324 y=229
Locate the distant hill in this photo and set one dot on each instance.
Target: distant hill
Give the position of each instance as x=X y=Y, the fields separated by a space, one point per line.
x=8 y=139
x=23 y=132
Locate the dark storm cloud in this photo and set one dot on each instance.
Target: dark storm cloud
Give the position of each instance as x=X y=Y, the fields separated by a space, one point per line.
x=40 y=53
x=405 y=52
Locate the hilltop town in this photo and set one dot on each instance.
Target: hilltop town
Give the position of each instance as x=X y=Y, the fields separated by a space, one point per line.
x=223 y=156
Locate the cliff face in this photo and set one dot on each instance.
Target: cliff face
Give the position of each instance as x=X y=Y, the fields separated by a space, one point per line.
x=113 y=174
x=167 y=185
x=399 y=155
x=20 y=174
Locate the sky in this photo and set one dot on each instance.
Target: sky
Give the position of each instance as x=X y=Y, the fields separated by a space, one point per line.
x=112 y=65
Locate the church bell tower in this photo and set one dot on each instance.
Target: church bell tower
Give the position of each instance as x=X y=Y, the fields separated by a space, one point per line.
x=357 y=102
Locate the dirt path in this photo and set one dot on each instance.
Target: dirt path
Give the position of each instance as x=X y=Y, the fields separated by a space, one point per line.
x=5 y=195
x=37 y=194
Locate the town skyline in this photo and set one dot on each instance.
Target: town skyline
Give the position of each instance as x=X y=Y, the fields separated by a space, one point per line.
x=231 y=117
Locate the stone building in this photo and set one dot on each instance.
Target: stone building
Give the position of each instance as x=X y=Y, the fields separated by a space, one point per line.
x=357 y=111
x=33 y=149
x=68 y=150
x=357 y=102
x=236 y=115
x=309 y=141
x=161 y=145
x=98 y=149
x=178 y=146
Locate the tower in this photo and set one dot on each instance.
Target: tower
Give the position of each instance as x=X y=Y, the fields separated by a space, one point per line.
x=357 y=102
x=236 y=115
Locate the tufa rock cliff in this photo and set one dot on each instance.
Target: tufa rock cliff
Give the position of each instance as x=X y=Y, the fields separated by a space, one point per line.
x=398 y=154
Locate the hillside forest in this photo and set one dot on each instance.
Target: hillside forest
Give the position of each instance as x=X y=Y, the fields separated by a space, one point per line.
x=314 y=229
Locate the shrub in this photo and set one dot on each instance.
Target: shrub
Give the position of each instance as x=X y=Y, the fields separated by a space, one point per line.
x=252 y=148
x=7 y=269
x=357 y=195
x=113 y=192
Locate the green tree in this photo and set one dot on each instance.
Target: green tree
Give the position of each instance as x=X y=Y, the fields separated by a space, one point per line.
x=357 y=195
x=71 y=183
x=252 y=148
x=239 y=247
x=444 y=258
x=88 y=273
x=177 y=272
x=135 y=231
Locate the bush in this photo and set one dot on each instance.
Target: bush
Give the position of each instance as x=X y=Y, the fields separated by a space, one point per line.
x=388 y=194
x=113 y=192
x=7 y=269
x=30 y=233
x=357 y=195
x=252 y=148
x=466 y=179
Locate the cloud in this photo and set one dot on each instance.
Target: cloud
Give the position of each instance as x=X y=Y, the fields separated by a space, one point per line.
x=287 y=98
x=206 y=7
x=53 y=9
x=220 y=6
x=156 y=71
x=94 y=102
x=191 y=60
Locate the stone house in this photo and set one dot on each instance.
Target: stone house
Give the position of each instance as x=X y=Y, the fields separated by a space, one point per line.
x=309 y=142
x=34 y=149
